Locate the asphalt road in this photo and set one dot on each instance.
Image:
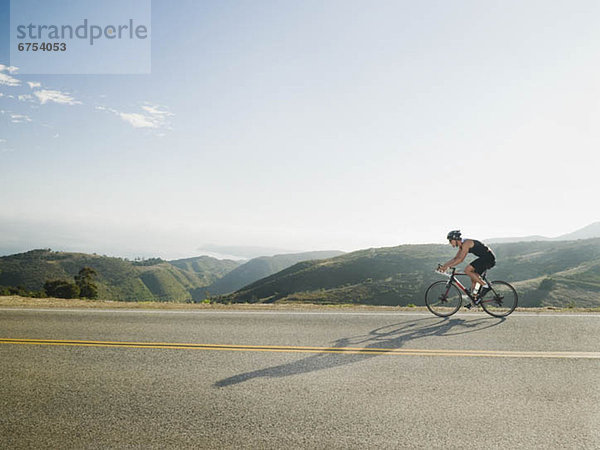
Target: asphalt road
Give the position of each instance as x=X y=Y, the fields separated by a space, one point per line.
x=297 y=380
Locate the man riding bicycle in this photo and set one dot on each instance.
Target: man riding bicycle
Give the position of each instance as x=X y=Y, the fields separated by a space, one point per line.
x=485 y=260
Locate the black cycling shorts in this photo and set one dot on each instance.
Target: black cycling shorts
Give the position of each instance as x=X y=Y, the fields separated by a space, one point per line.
x=483 y=263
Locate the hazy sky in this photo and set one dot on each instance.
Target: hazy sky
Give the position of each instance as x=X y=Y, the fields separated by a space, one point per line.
x=307 y=125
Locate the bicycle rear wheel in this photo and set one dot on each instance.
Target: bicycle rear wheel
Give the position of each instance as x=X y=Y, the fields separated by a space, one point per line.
x=443 y=299
x=500 y=300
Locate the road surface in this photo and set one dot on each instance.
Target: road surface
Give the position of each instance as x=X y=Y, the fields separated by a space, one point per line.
x=297 y=379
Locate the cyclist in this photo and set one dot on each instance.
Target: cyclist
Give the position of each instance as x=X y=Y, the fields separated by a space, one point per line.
x=485 y=260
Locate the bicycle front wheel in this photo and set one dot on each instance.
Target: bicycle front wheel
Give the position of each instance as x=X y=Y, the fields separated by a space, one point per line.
x=443 y=299
x=500 y=300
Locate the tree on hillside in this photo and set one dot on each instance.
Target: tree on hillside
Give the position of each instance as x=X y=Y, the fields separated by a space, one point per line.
x=61 y=289
x=85 y=283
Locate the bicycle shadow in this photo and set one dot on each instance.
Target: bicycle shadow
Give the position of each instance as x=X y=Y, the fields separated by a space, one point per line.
x=387 y=337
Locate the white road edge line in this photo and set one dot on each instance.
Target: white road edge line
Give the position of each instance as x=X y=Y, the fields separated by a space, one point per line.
x=255 y=312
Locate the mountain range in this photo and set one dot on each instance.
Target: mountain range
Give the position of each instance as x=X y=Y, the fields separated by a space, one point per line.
x=588 y=232
x=262 y=267
x=190 y=279
x=562 y=271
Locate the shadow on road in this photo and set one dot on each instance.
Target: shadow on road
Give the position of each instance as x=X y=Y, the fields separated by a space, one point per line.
x=388 y=337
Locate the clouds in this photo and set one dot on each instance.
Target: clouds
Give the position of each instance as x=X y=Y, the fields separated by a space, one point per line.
x=137 y=120
x=147 y=116
x=31 y=98
x=14 y=118
x=43 y=95
x=5 y=78
x=4 y=148
x=27 y=111
x=154 y=116
x=156 y=110
x=19 y=118
x=48 y=95
x=9 y=69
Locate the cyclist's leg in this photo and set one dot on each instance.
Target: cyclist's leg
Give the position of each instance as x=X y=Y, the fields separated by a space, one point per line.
x=474 y=271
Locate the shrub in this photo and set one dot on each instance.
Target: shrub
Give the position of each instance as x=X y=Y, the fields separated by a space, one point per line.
x=85 y=283
x=547 y=284
x=61 y=289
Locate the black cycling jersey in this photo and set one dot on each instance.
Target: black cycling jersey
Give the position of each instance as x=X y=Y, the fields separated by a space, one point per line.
x=481 y=250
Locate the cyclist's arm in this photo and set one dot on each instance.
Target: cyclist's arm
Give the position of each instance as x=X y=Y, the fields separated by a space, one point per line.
x=460 y=255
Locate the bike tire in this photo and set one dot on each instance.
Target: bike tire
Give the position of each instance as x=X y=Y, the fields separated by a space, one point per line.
x=501 y=300
x=442 y=299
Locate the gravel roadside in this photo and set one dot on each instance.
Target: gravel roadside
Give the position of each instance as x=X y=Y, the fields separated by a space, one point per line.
x=27 y=302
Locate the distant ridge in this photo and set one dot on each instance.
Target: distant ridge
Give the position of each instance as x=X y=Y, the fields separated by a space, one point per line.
x=561 y=271
x=506 y=240
x=118 y=278
x=563 y=274
x=262 y=267
x=588 y=232
x=239 y=252
x=181 y=280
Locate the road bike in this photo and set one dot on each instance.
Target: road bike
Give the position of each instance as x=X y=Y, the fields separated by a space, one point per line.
x=444 y=298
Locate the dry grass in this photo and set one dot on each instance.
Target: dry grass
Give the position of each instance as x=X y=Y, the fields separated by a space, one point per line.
x=26 y=302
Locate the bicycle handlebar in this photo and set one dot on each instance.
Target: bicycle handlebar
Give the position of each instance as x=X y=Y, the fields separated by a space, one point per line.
x=447 y=273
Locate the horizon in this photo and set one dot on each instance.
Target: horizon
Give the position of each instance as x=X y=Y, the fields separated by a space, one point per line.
x=310 y=126
x=250 y=252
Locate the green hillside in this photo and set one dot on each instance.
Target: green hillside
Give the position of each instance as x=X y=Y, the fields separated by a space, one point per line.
x=261 y=267
x=563 y=273
x=118 y=279
x=208 y=268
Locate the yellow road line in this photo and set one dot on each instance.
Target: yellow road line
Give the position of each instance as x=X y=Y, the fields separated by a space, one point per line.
x=305 y=349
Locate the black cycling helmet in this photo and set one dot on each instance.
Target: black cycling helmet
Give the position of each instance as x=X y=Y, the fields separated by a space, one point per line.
x=454 y=235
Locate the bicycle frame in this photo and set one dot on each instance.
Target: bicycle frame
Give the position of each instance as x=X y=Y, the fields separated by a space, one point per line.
x=455 y=281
